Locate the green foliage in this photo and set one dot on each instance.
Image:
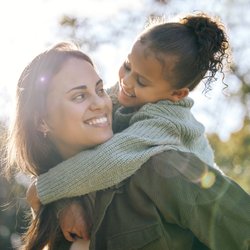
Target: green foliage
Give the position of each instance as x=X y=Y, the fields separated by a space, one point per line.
x=233 y=155
x=12 y=204
x=12 y=214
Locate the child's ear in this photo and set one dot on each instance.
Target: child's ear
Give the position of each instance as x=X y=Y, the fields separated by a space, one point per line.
x=179 y=94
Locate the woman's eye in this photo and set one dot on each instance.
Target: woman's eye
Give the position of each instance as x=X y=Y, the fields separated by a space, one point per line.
x=79 y=98
x=126 y=66
x=101 y=91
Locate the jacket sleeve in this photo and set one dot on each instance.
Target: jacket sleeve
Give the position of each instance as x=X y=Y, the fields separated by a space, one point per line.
x=199 y=198
x=107 y=164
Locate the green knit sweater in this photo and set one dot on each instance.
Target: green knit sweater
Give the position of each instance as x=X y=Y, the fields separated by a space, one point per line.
x=152 y=129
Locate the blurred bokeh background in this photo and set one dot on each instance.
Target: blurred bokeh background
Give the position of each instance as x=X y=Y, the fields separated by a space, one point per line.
x=106 y=29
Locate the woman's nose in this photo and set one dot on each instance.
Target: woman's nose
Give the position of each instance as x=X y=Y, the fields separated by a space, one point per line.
x=97 y=102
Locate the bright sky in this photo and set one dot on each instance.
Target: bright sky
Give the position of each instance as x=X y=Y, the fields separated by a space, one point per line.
x=28 y=26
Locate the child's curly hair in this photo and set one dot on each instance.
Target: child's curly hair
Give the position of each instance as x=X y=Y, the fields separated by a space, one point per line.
x=197 y=46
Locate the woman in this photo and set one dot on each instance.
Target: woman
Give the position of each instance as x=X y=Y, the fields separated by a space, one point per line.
x=61 y=109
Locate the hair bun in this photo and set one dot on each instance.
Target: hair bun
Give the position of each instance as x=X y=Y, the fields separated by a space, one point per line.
x=209 y=33
x=211 y=40
x=199 y=24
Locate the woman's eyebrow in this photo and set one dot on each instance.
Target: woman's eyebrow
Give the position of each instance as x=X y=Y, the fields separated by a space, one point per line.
x=83 y=86
x=77 y=87
x=99 y=82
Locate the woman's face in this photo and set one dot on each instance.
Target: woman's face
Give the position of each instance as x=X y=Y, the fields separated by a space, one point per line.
x=78 y=109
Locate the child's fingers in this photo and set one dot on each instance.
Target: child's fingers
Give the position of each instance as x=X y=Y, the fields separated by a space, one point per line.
x=69 y=236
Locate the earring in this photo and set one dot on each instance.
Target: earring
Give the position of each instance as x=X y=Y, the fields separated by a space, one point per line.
x=45 y=134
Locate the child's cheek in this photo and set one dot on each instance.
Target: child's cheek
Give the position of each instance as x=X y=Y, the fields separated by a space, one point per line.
x=121 y=73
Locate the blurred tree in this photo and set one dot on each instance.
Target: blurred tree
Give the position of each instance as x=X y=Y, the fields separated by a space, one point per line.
x=242 y=95
x=91 y=33
x=233 y=155
x=12 y=204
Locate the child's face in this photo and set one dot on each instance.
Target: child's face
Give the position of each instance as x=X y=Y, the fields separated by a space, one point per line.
x=142 y=79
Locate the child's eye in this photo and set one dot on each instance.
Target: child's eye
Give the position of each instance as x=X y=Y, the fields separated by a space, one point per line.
x=126 y=66
x=139 y=82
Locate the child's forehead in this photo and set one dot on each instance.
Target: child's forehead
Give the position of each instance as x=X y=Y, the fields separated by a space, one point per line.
x=141 y=49
x=144 y=52
x=143 y=62
x=140 y=53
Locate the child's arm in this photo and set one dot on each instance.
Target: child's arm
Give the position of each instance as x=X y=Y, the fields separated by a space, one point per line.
x=107 y=164
x=149 y=133
x=72 y=219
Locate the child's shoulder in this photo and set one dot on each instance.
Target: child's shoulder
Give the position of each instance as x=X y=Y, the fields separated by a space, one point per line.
x=166 y=104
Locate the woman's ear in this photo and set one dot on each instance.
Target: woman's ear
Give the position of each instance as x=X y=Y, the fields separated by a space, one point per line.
x=179 y=94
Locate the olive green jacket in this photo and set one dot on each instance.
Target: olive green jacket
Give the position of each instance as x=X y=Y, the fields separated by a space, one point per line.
x=174 y=202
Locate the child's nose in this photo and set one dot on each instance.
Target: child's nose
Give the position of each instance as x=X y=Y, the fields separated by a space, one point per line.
x=129 y=81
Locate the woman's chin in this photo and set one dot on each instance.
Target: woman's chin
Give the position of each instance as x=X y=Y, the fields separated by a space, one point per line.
x=101 y=138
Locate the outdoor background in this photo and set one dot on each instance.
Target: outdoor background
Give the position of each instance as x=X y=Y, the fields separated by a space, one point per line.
x=106 y=30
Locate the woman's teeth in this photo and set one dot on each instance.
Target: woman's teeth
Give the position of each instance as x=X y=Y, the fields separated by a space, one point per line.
x=98 y=121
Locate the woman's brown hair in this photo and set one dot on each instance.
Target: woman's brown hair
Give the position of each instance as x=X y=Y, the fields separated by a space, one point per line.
x=28 y=150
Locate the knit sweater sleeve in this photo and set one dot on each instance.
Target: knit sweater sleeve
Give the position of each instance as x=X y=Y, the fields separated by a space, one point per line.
x=109 y=163
x=152 y=130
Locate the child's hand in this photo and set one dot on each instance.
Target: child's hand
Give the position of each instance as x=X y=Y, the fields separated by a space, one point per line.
x=32 y=197
x=72 y=223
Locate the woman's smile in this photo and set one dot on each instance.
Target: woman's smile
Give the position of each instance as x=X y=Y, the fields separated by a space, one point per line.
x=101 y=121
